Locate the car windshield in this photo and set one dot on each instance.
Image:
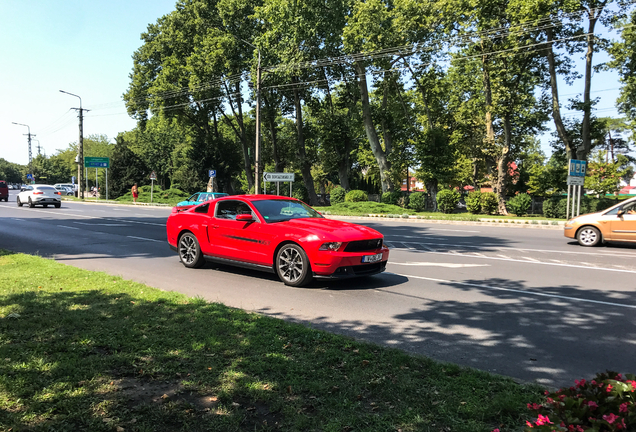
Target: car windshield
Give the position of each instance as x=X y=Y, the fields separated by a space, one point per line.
x=284 y=210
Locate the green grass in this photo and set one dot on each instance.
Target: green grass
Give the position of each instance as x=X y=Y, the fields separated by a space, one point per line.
x=370 y=207
x=159 y=196
x=87 y=351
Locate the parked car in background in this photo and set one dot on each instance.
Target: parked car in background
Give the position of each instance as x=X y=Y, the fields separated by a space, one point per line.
x=4 y=191
x=617 y=223
x=198 y=198
x=66 y=190
x=278 y=235
x=37 y=194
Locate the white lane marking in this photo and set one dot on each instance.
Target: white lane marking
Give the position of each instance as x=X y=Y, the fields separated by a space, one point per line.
x=433 y=264
x=453 y=230
x=520 y=291
x=99 y=224
x=468 y=255
x=609 y=254
x=64 y=226
x=18 y=219
x=531 y=259
x=143 y=238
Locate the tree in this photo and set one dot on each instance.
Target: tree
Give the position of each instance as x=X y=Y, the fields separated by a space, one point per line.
x=11 y=172
x=126 y=169
x=604 y=177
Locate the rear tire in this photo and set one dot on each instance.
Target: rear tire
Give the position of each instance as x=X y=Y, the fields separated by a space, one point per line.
x=189 y=251
x=292 y=265
x=19 y=202
x=58 y=205
x=31 y=205
x=589 y=236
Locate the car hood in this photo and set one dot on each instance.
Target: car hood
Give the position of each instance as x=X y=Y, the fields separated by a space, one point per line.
x=589 y=217
x=183 y=203
x=331 y=229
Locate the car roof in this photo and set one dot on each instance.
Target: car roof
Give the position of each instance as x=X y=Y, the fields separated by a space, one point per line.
x=260 y=197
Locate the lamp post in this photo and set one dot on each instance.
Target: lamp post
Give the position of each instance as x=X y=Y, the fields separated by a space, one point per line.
x=29 y=135
x=80 y=150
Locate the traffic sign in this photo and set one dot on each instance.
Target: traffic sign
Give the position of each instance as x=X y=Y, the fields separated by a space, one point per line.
x=278 y=177
x=577 y=168
x=29 y=176
x=96 y=162
x=576 y=181
x=153 y=176
x=211 y=173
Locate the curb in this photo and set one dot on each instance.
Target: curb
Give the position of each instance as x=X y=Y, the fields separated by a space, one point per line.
x=528 y=224
x=111 y=202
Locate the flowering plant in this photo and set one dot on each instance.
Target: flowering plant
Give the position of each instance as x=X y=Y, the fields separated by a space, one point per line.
x=606 y=403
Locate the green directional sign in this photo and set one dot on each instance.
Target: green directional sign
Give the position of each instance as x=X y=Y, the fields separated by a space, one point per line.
x=96 y=162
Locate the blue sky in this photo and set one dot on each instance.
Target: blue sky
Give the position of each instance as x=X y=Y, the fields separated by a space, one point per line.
x=85 y=48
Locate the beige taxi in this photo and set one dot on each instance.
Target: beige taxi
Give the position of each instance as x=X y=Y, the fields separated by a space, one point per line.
x=617 y=223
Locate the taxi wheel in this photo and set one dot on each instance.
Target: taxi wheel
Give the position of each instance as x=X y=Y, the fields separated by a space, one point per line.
x=589 y=236
x=189 y=251
x=292 y=265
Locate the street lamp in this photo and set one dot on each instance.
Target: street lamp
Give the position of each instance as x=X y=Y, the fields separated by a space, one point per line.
x=29 y=135
x=80 y=150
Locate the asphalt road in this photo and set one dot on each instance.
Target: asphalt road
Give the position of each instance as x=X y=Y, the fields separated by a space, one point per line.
x=524 y=303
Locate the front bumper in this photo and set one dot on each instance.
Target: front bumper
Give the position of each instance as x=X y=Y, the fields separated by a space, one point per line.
x=338 y=265
x=569 y=231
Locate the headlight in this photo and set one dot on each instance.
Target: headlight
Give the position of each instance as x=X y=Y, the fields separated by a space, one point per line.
x=332 y=246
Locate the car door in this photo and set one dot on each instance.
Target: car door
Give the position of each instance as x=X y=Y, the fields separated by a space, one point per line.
x=244 y=241
x=623 y=224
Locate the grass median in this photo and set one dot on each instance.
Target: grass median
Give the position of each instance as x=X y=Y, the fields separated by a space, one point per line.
x=82 y=350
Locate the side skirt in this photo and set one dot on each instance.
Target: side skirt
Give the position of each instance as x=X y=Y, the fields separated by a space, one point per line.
x=239 y=264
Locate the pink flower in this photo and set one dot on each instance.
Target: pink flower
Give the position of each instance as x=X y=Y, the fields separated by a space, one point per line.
x=618 y=377
x=592 y=405
x=610 y=418
x=561 y=398
x=623 y=408
x=529 y=424
x=609 y=388
x=534 y=406
x=580 y=384
x=543 y=420
x=496 y=430
x=593 y=382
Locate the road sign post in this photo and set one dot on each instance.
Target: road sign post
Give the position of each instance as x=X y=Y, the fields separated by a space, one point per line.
x=96 y=162
x=153 y=177
x=278 y=178
x=576 y=178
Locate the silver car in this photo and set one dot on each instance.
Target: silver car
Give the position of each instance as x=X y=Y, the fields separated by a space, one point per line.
x=43 y=195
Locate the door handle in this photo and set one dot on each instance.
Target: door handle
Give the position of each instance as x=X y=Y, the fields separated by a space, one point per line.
x=214 y=226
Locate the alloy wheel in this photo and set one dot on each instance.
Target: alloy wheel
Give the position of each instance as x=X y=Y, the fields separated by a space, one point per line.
x=290 y=263
x=187 y=249
x=588 y=236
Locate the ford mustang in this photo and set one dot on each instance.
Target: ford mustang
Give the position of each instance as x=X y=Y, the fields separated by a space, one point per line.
x=275 y=234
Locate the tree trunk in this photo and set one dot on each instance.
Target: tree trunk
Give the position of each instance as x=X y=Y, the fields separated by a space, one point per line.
x=343 y=165
x=431 y=188
x=556 y=106
x=502 y=167
x=369 y=127
x=273 y=129
x=305 y=166
x=586 y=139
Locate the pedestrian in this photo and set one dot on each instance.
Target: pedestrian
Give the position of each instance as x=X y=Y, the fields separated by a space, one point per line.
x=135 y=192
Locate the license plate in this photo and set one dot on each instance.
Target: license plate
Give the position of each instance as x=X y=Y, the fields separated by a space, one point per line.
x=371 y=258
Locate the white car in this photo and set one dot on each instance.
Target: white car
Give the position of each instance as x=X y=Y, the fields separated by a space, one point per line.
x=43 y=195
x=64 y=189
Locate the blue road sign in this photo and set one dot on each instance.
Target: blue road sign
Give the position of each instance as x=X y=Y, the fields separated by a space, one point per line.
x=29 y=176
x=577 y=168
x=211 y=173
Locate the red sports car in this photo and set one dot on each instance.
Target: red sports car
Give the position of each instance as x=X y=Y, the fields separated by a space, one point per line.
x=275 y=234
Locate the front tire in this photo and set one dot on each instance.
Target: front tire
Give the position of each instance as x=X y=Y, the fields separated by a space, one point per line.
x=292 y=265
x=31 y=205
x=58 y=205
x=189 y=251
x=20 y=204
x=589 y=236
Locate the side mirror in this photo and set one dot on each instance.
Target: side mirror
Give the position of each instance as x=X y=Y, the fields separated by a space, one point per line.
x=247 y=217
x=620 y=213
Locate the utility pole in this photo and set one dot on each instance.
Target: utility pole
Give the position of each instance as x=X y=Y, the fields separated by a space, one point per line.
x=80 y=150
x=39 y=152
x=257 y=161
x=30 y=156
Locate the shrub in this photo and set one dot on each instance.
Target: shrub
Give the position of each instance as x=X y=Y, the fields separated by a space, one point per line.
x=550 y=208
x=417 y=201
x=473 y=202
x=356 y=196
x=520 y=204
x=337 y=195
x=447 y=200
x=606 y=403
x=391 y=197
x=403 y=201
x=489 y=204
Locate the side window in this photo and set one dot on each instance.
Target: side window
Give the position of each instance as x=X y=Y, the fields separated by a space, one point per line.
x=229 y=209
x=203 y=198
x=630 y=208
x=29 y=188
x=202 y=208
x=193 y=197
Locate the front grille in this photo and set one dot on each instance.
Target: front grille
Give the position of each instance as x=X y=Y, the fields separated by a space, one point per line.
x=363 y=245
x=361 y=270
